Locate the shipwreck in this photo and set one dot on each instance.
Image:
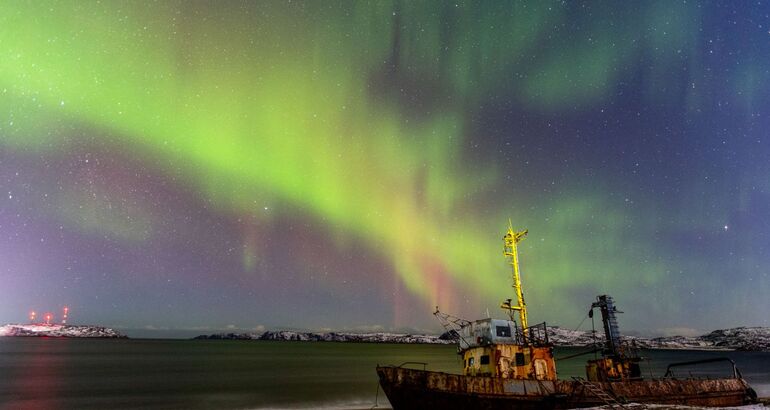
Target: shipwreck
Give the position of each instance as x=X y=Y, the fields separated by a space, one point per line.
x=508 y=364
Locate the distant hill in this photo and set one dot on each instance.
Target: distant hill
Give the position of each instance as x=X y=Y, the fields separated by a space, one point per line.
x=740 y=338
x=43 y=330
x=284 y=335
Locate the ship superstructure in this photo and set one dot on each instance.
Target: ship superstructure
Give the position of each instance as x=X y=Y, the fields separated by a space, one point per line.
x=500 y=347
x=618 y=361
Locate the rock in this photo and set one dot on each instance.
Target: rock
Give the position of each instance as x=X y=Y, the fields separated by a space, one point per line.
x=741 y=338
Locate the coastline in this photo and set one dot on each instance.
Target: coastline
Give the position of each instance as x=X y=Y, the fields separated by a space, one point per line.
x=735 y=339
x=59 y=330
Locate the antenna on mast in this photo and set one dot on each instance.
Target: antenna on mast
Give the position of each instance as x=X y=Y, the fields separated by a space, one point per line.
x=510 y=242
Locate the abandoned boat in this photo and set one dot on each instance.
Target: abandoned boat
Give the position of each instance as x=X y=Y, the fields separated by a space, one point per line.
x=510 y=365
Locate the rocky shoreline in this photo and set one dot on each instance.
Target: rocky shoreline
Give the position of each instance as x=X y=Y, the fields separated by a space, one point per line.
x=740 y=338
x=284 y=335
x=70 y=331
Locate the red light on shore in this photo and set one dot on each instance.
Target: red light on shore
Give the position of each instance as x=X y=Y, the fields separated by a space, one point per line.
x=32 y=316
x=48 y=317
x=64 y=316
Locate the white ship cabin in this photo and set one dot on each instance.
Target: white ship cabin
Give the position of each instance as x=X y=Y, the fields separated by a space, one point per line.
x=488 y=331
x=497 y=348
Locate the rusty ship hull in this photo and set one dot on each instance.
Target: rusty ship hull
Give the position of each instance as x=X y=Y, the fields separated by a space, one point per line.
x=422 y=389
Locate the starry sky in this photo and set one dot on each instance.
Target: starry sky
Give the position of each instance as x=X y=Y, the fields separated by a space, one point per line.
x=172 y=167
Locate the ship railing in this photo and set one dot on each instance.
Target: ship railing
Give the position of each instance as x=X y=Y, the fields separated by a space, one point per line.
x=670 y=373
x=536 y=335
x=423 y=364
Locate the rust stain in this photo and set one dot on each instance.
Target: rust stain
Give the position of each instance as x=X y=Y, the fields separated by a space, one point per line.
x=409 y=388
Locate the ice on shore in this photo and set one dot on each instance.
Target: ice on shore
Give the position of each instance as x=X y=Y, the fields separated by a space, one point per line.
x=740 y=338
x=44 y=330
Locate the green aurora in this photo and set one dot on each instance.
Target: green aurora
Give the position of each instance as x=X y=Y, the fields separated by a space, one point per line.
x=363 y=117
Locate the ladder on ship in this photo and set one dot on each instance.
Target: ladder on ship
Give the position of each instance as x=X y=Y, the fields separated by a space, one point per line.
x=599 y=393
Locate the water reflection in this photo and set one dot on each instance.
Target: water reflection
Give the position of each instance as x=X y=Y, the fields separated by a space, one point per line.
x=33 y=374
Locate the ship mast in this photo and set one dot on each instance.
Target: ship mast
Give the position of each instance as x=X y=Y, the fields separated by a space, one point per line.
x=510 y=242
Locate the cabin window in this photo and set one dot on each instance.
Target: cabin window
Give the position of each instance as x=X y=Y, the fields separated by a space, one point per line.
x=503 y=331
x=485 y=359
x=470 y=362
x=519 y=359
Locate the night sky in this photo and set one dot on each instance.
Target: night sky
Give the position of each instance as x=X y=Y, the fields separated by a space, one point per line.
x=172 y=167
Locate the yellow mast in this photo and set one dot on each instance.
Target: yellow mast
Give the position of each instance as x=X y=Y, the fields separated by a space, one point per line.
x=510 y=240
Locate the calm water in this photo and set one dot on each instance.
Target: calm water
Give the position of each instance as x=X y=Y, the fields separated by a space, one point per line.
x=42 y=373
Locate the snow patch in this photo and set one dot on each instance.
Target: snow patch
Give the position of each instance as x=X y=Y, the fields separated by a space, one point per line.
x=740 y=338
x=43 y=330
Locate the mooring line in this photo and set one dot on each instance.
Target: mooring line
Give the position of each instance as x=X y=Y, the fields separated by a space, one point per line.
x=376 y=397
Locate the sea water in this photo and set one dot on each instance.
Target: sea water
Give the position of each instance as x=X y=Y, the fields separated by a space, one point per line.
x=51 y=373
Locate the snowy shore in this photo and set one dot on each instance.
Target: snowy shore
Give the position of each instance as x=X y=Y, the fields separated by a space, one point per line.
x=43 y=330
x=284 y=335
x=740 y=338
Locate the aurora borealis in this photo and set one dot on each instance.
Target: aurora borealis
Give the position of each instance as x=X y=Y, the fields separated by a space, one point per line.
x=350 y=165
